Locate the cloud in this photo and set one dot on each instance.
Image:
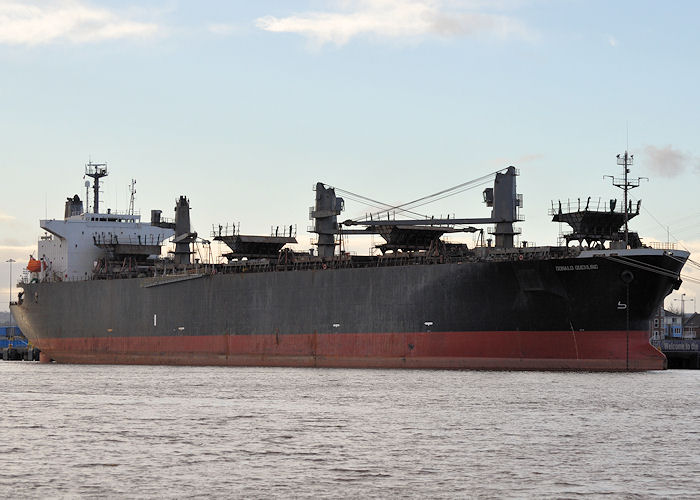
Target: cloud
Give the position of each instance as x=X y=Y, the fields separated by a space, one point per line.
x=669 y=162
x=76 y=21
x=612 y=41
x=221 y=29
x=396 y=19
x=4 y=217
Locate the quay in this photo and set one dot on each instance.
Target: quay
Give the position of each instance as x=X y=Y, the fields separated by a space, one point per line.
x=676 y=335
x=15 y=347
x=680 y=353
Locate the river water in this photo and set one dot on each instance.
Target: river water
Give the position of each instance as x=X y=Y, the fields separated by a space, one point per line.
x=144 y=431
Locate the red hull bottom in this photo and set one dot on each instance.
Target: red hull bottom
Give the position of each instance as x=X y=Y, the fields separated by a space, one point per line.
x=599 y=350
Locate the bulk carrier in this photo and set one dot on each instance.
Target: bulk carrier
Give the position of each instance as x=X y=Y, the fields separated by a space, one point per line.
x=99 y=291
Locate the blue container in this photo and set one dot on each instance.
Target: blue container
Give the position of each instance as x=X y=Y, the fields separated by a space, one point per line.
x=10 y=331
x=11 y=336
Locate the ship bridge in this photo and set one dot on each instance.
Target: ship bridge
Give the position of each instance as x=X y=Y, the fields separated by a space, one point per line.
x=76 y=243
x=72 y=246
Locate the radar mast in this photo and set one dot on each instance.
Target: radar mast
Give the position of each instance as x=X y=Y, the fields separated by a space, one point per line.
x=96 y=171
x=625 y=183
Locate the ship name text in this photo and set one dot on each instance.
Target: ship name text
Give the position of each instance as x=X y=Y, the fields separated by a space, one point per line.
x=578 y=267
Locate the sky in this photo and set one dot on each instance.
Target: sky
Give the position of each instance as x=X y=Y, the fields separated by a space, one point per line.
x=243 y=106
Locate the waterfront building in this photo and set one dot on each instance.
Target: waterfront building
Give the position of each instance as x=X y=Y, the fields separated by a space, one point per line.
x=670 y=325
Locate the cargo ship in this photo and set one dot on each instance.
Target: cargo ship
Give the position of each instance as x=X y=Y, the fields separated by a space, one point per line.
x=99 y=290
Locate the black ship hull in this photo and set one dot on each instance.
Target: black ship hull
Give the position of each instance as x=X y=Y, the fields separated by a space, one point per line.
x=585 y=312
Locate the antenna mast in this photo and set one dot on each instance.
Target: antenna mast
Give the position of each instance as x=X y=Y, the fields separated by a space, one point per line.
x=132 y=191
x=625 y=183
x=96 y=171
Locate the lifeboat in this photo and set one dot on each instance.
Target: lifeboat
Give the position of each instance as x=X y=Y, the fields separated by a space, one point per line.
x=34 y=265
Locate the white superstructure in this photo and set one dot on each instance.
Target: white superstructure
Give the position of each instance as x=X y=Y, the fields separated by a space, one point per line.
x=73 y=246
x=70 y=253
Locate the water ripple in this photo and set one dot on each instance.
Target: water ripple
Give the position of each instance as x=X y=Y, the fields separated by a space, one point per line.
x=173 y=432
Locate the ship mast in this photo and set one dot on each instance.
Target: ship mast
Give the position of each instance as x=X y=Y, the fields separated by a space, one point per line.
x=625 y=183
x=132 y=191
x=96 y=171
